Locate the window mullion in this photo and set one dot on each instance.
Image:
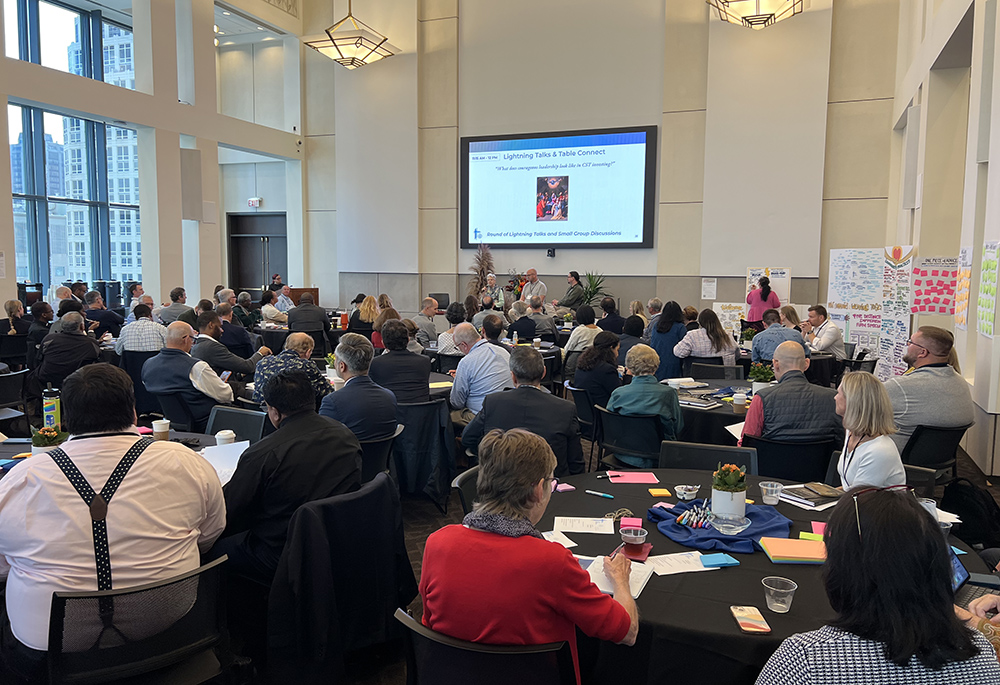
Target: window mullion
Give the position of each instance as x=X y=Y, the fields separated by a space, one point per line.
x=96 y=45
x=32 y=37
x=101 y=233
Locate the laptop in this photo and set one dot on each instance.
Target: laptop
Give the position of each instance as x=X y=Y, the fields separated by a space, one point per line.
x=969 y=586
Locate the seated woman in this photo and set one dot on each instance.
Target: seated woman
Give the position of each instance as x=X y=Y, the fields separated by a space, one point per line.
x=690 y=318
x=597 y=369
x=669 y=331
x=647 y=396
x=525 y=590
x=386 y=314
x=869 y=457
x=790 y=317
x=521 y=323
x=710 y=340
x=14 y=324
x=455 y=314
x=637 y=309
x=362 y=319
x=384 y=302
x=631 y=336
x=268 y=311
x=888 y=577
x=411 y=329
x=580 y=339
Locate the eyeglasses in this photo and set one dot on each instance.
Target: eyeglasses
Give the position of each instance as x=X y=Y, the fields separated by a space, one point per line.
x=910 y=342
x=891 y=488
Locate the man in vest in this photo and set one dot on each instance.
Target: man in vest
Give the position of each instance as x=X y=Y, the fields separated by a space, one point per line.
x=794 y=410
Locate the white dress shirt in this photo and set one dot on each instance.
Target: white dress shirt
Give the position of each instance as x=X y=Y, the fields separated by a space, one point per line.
x=205 y=380
x=284 y=303
x=271 y=313
x=168 y=508
x=828 y=338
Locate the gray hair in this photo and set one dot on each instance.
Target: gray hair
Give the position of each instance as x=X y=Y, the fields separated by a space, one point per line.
x=517 y=310
x=91 y=297
x=300 y=342
x=356 y=351
x=464 y=332
x=224 y=294
x=71 y=322
x=535 y=302
x=511 y=464
x=642 y=360
x=527 y=365
x=655 y=305
x=243 y=299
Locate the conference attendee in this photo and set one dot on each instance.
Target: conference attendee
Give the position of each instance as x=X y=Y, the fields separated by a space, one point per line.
x=62 y=293
x=485 y=310
x=932 y=393
x=78 y=290
x=143 y=334
x=387 y=314
x=64 y=351
x=821 y=334
x=43 y=315
x=226 y=296
x=363 y=318
x=708 y=339
x=284 y=302
x=243 y=310
x=168 y=507
x=209 y=348
x=611 y=320
x=493 y=329
x=790 y=317
x=109 y=321
x=545 y=324
x=307 y=316
x=655 y=308
x=471 y=307
x=71 y=305
x=494 y=290
x=276 y=283
x=690 y=318
x=645 y=395
x=766 y=342
x=483 y=370
x=384 y=302
x=15 y=323
x=455 y=314
x=530 y=407
x=794 y=410
x=153 y=310
x=525 y=590
x=574 y=296
x=294 y=357
x=761 y=298
x=169 y=313
x=234 y=336
x=190 y=317
x=631 y=336
x=404 y=373
x=215 y=295
x=669 y=331
x=522 y=324
x=412 y=330
x=888 y=577
x=356 y=302
x=580 y=339
x=597 y=369
x=268 y=312
x=424 y=319
x=365 y=407
x=869 y=457
x=135 y=293
x=532 y=286
x=636 y=308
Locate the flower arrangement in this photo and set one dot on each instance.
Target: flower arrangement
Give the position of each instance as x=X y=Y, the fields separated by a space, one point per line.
x=47 y=437
x=748 y=334
x=760 y=373
x=516 y=283
x=331 y=360
x=729 y=478
x=568 y=317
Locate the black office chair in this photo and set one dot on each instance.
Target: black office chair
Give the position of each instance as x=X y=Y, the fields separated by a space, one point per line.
x=131 y=363
x=590 y=423
x=14 y=350
x=319 y=343
x=175 y=410
x=934 y=448
x=860 y=365
x=466 y=483
x=447 y=362
x=436 y=659
x=163 y=632
x=247 y=424
x=922 y=480
x=424 y=453
x=713 y=371
x=802 y=462
x=849 y=349
x=630 y=436
x=688 y=361
x=691 y=455
x=12 y=389
x=375 y=455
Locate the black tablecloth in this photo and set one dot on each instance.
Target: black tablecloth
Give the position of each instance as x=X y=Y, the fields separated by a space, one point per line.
x=440 y=378
x=708 y=426
x=821 y=368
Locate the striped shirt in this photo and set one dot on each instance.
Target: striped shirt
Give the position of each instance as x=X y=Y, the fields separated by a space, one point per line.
x=142 y=335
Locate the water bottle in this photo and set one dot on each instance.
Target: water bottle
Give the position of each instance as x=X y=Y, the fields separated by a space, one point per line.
x=515 y=338
x=51 y=416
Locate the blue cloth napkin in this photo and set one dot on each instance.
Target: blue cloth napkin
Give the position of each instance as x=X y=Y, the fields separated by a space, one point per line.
x=765 y=522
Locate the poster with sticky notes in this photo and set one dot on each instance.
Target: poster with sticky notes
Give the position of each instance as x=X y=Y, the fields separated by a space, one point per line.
x=935 y=283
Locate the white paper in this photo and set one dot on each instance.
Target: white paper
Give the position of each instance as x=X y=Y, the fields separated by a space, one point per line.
x=736 y=429
x=569 y=524
x=947 y=517
x=822 y=507
x=709 y=288
x=558 y=537
x=638 y=577
x=224 y=458
x=681 y=562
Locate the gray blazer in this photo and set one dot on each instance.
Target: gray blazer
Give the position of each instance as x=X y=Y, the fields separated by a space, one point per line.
x=218 y=356
x=308 y=317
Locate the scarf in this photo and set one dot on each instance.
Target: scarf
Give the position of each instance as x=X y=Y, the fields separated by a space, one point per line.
x=500 y=524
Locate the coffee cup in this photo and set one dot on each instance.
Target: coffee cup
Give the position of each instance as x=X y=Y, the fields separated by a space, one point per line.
x=740 y=399
x=338 y=383
x=536 y=343
x=225 y=437
x=161 y=429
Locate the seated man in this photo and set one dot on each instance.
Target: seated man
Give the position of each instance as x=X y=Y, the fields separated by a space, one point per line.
x=404 y=373
x=294 y=357
x=167 y=508
x=493 y=329
x=190 y=317
x=234 y=336
x=148 y=301
x=61 y=353
x=483 y=370
x=767 y=341
x=426 y=331
x=933 y=393
x=495 y=580
x=135 y=293
x=307 y=316
x=794 y=410
x=42 y=313
x=96 y=311
x=531 y=407
x=208 y=348
x=612 y=320
x=362 y=405
x=631 y=336
x=485 y=310
x=284 y=302
x=821 y=334
x=142 y=335
x=243 y=311
x=175 y=371
x=169 y=314
x=309 y=457
x=545 y=325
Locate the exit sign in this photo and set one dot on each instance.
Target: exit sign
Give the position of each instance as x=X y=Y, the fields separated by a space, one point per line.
x=254 y=202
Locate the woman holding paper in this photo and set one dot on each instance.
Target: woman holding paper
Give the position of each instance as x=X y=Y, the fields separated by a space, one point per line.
x=869 y=457
x=525 y=590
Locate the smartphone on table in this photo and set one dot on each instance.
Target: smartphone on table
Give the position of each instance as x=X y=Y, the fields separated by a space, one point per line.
x=750 y=619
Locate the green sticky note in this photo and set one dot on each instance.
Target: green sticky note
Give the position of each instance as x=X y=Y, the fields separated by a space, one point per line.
x=810 y=536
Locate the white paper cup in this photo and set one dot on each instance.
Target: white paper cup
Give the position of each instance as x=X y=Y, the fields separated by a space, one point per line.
x=225 y=437
x=740 y=399
x=674 y=384
x=161 y=429
x=536 y=343
x=338 y=383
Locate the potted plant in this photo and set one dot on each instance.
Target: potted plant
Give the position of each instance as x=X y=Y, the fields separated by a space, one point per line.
x=729 y=491
x=593 y=287
x=746 y=338
x=44 y=439
x=761 y=375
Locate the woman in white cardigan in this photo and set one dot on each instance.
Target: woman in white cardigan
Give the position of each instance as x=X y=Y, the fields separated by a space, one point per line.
x=870 y=456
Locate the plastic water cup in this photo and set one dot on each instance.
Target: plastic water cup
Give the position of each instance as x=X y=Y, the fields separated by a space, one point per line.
x=770 y=491
x=945 y=528
x=778 y=592
x=930 y=505
x=161 y=429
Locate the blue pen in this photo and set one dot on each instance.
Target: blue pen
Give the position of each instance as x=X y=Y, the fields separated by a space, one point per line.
x=599 y=494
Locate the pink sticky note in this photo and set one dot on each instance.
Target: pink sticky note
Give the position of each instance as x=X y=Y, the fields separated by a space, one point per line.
x=631 y=523
x=663 y=505
x=565 y=487
x=819 y=527
x=632 y=477
x=936 y=300
x=144 y=430
x=935 y=272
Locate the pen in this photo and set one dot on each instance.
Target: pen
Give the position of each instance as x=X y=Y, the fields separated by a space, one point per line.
x=599 y=494
x=617 y=550
x=600 y=477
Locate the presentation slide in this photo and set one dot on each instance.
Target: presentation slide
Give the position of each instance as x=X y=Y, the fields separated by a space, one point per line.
x=569 y=189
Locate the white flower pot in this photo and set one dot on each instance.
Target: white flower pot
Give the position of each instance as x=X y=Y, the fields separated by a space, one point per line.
x=758 y=386
x=40 y=450
x=729 y=503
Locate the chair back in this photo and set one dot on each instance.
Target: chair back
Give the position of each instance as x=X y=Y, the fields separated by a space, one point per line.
x=569 y=365
x=131 y=363
x=436 y=659
x=861 y=364
x=97 y=637
x=319 y=343
x=801 y=462
x=466 y=483
x=921 y=479
x=849 y=349
x=584 y=410
x=691 y=455
x=933 y=448
x=14 y=349
x=12 y=388
x=688 y=361
x=375 y=455
x=175 y=410
x=631 y=436
x=246 y=423
x=448 y=362
x=424 y=454
x=716 y=371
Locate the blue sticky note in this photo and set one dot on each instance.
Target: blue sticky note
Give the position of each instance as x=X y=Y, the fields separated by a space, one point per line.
x=959 y=551
x=716 y=560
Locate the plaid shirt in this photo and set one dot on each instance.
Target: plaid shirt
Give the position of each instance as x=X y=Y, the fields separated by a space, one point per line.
x=697 y=344
x=289 y=360
x=142 y=336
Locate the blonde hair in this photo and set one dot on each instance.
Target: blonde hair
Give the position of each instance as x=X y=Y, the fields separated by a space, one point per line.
x=791 y=316
x=12 y=307
x=510 y=465
x=368 y=309
x=642 y=360
x=868 y=411
x=636 y=308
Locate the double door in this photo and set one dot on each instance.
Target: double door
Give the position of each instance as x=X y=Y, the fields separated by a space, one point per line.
x=258 y=248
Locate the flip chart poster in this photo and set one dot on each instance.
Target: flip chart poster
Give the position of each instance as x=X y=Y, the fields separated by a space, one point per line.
x=935 y=280
x=897 y=268
x=781 y=281
x=730 y=314
x=855 y=294
x=963 y=288
x=988 y=289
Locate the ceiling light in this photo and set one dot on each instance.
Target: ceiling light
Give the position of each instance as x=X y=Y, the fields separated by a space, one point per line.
x=227 y=14
x=221 y=33
x=756 y=14
x=216 y=28
x=352 y=43
x=216 y=42
x=260 y=28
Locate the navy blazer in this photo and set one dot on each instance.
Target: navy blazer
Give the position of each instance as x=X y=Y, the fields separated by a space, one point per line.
x=237 y=339
x=365 y=407
x=405 y=373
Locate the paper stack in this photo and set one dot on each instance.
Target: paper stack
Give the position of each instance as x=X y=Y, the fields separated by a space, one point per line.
x=791 y=551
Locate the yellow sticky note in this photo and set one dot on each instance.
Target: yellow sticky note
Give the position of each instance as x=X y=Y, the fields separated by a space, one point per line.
x=749 y=501
x=659 y=492
x=440 y=384
x=810 y=536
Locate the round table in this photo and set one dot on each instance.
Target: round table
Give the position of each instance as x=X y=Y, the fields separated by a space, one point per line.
x=821 y=368
x=440 y=378
x=708 y=426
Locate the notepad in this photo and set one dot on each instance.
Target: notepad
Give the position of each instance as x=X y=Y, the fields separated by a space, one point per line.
x=791 y=551
x=819 y=527
x=558 y=537
x=627 y=522
x=810 y=536
x=736 y=429
x=570 y=524
x=718 y=560
x=659 y=492
x=441 y=384
x=958 y=551
x=224 y=458
x=632 y=477
x=637 y=578
x=679 y=562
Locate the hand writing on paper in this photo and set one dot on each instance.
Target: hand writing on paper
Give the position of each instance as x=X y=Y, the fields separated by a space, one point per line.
x=618 y=570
